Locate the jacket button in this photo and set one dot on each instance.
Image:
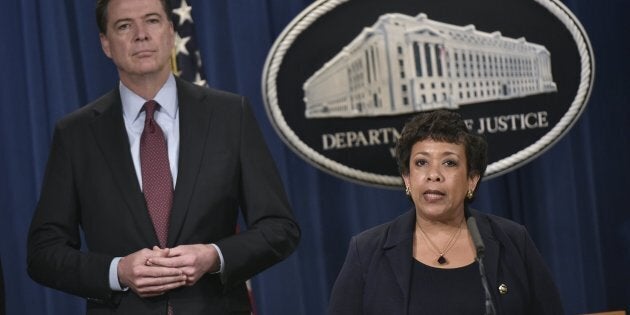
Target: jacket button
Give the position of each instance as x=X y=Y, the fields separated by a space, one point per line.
x=503 y=288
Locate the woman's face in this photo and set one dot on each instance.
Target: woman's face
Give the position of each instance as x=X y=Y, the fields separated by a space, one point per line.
x=438 y=179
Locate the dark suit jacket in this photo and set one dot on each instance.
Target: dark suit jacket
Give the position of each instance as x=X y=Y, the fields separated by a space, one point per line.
x=376 y=275
x=90 y=183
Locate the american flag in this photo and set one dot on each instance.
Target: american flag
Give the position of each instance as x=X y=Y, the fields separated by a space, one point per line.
x=186 y=62
x=186 y=59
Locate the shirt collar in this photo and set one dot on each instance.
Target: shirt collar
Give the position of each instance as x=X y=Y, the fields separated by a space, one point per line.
x=167 y=98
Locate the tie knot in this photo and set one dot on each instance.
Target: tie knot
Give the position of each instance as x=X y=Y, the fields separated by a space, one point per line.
x=150 y=107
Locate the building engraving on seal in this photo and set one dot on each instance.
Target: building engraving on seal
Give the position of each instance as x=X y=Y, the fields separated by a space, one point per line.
x=405 y=64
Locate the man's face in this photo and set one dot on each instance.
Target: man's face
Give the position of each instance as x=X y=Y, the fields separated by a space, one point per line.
x=139 y=38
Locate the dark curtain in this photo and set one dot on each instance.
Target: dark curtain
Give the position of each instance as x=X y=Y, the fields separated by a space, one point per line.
x=572 y=198
x=2 y=298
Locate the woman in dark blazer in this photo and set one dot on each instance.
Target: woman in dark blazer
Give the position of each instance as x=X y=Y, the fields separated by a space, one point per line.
x=424 y=262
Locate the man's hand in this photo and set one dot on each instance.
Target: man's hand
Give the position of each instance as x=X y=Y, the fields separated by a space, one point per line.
x=135 y=272
x=193 y=260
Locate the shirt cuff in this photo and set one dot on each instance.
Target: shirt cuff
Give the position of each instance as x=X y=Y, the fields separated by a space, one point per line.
x=114 y=284
x=221 y=263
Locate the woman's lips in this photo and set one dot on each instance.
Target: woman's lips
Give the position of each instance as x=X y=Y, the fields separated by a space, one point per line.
x=433 y=195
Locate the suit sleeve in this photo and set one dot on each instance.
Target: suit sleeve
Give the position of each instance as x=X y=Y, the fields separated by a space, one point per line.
x=54 y=257
x=543 y=291
x=347 y=293
x=272 y=233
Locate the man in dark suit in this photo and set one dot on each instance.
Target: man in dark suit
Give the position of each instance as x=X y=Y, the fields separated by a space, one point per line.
x=153 y=174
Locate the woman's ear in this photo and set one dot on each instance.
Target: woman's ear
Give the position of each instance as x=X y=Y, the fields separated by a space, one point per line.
x=473 y=180
x=405 y=178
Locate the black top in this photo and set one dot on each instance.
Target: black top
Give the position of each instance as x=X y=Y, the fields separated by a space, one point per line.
x=445 y=291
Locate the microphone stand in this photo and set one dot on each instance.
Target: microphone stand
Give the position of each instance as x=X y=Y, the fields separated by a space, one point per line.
x=480 y=249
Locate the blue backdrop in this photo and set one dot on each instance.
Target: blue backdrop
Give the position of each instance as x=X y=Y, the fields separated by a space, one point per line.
x=573 y=198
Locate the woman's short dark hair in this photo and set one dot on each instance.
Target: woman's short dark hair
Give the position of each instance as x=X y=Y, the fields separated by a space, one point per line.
x=445 y=126
x=101 y=13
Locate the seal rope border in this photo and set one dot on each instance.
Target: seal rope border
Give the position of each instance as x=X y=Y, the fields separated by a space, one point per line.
x=321 y=7
x=270 y=95
x=587 y=75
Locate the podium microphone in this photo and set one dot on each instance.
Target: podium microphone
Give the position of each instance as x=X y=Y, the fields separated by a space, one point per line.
x=480 y=248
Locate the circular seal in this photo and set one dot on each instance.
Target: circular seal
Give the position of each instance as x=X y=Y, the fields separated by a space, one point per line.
x=344 y=76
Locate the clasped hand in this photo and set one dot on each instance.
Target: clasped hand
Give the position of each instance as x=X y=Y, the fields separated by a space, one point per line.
x=152 y=272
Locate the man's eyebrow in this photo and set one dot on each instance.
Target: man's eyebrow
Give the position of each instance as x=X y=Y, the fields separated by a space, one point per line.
x=153 y=14
x=122 y=20
x=126 y=19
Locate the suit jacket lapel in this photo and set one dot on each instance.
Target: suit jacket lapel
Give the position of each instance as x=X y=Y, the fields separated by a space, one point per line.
x=194 y=121
x=398 y=249
x=111 y=136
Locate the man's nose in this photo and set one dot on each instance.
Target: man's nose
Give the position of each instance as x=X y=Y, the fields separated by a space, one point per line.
x=141 y=33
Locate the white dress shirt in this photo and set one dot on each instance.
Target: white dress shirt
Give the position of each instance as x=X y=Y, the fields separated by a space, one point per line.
x=167 y=117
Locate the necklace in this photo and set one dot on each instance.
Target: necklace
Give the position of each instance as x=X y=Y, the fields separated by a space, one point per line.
x=441 y=259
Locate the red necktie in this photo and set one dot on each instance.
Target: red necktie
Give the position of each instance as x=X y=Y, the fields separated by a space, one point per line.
x=157 y=181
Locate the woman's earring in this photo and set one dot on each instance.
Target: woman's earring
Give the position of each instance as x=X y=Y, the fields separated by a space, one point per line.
x=469 y=194
x=407 y=192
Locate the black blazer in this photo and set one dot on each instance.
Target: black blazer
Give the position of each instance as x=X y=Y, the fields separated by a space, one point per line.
x=376 y=276
x=90 y=183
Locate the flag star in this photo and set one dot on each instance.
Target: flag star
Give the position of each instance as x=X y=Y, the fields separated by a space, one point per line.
x=198 y=80
x=184 y=13
x=180 y=44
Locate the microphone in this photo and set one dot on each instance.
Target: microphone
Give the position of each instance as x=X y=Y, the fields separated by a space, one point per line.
x=480 y=248
x=476 y=237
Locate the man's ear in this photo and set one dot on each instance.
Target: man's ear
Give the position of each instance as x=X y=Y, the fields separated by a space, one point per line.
x=105 y=45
